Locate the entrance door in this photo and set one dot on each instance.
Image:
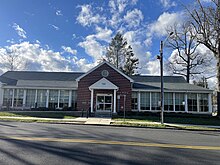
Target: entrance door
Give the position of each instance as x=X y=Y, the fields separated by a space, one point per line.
x=104 y=102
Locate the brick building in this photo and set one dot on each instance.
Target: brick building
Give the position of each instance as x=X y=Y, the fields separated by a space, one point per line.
x=102 y=89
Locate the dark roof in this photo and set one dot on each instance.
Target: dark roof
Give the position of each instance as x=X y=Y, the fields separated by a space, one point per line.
x=48 y=76
x=155 y=79
x=176 y=83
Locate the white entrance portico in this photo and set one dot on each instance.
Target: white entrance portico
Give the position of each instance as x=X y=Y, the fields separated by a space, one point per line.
x=103 y=84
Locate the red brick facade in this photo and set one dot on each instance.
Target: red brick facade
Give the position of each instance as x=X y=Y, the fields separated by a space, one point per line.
x=123 y=84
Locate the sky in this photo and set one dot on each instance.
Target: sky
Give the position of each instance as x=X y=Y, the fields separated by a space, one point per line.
x=72 y=35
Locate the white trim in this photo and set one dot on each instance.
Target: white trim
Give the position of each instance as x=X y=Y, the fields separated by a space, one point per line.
x=197 y=99
x=47 y=99
x=176 y=91
x=70 y=98
x=104 y=62
x=103 y=83
x=210 y=102
x=114 y=104
x=13 y=97
x=150 y=103
x=58 y=100
x=186 y=102
x=174 y=102
x=139 y=101
x=91 y=102
x=35 y=101
x=24 y=97
x=51 y=88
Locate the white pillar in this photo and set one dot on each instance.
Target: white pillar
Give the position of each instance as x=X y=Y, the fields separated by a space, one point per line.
x=35 y=101
x=70 y=98
x=1 y=95
x=150 y=102
x=47 y=100
x=186 y=103
x=210 y=102
x=91 y=104
x=13 y=97
x=115 y=97
x=197 y=99
x=24 y=97
x=139 y=101
x=58 y=99
x=174 y=99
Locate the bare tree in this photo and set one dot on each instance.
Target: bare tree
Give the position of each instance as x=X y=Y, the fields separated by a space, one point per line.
x=206 y=23
x=185 y=60
x=12 y=60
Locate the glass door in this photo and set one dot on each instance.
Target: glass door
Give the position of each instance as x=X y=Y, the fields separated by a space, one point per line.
x=104 y=102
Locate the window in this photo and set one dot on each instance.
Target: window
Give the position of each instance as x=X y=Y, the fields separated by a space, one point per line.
x=41 y=97
x=30 y=98
x=168 y=101
x=74 y=97
x=18 y=97
x=7 y=97
x=155 y=98
x=203 y=102
x=192 y=102
x=64 y=98
x=179 y=102
x=145 y=100
x=53 y=99
x=134 y=101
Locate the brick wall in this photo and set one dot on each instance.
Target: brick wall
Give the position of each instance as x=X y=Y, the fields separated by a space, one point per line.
x=84 y=94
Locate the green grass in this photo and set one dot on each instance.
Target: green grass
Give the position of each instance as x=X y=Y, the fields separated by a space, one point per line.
x=57 y=115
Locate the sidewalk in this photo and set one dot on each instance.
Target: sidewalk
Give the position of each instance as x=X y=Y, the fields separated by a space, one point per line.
x=100 y=121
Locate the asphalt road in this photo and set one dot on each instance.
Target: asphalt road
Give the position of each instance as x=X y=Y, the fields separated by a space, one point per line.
x=62 y=144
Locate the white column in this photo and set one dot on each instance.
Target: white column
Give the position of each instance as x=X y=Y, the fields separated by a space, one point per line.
x=150 y=102
x=186 y=103
x=24 y=97
x=91 y=104
x=35 y=101
x=210 y=102
x=47 y=101
x=139 y=101
x=174 y=99
x=58 y=100
x=1 y=96
x=70 y=98
x=13 y=97
x=197 y=99
x=115 y=97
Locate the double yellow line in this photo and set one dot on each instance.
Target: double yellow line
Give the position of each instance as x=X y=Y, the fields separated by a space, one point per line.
x=106 y=142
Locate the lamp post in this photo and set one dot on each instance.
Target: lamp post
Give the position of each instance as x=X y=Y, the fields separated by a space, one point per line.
x=160 y=57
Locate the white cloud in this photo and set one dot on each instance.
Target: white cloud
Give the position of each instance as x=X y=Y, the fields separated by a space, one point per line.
x=21 y=32
x=39 y=59
x=87 y=17
x=164 y=21
x=69 y=50
x=59 y=13
x=133 y=18
x=55 y=27
x=167 y=3
x=103 y=34
x=93 y=48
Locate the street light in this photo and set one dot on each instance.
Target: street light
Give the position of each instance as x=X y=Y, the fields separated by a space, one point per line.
x=160 y=57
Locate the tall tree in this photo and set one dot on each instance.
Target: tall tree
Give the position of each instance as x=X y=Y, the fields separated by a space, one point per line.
x=121 y=55
x=185 y=60
x=206 y=23
x=12 y=60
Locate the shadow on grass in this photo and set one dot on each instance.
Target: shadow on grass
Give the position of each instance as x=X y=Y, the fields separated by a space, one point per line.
x=41 y=114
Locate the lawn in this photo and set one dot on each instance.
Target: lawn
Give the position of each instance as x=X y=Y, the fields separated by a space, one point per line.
x=41 y=114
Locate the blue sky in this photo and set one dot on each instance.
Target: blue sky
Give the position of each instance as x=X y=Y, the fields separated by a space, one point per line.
x=72 y=35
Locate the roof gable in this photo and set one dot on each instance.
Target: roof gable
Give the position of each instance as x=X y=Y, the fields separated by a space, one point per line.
x=103 y=84
x=105 y=62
